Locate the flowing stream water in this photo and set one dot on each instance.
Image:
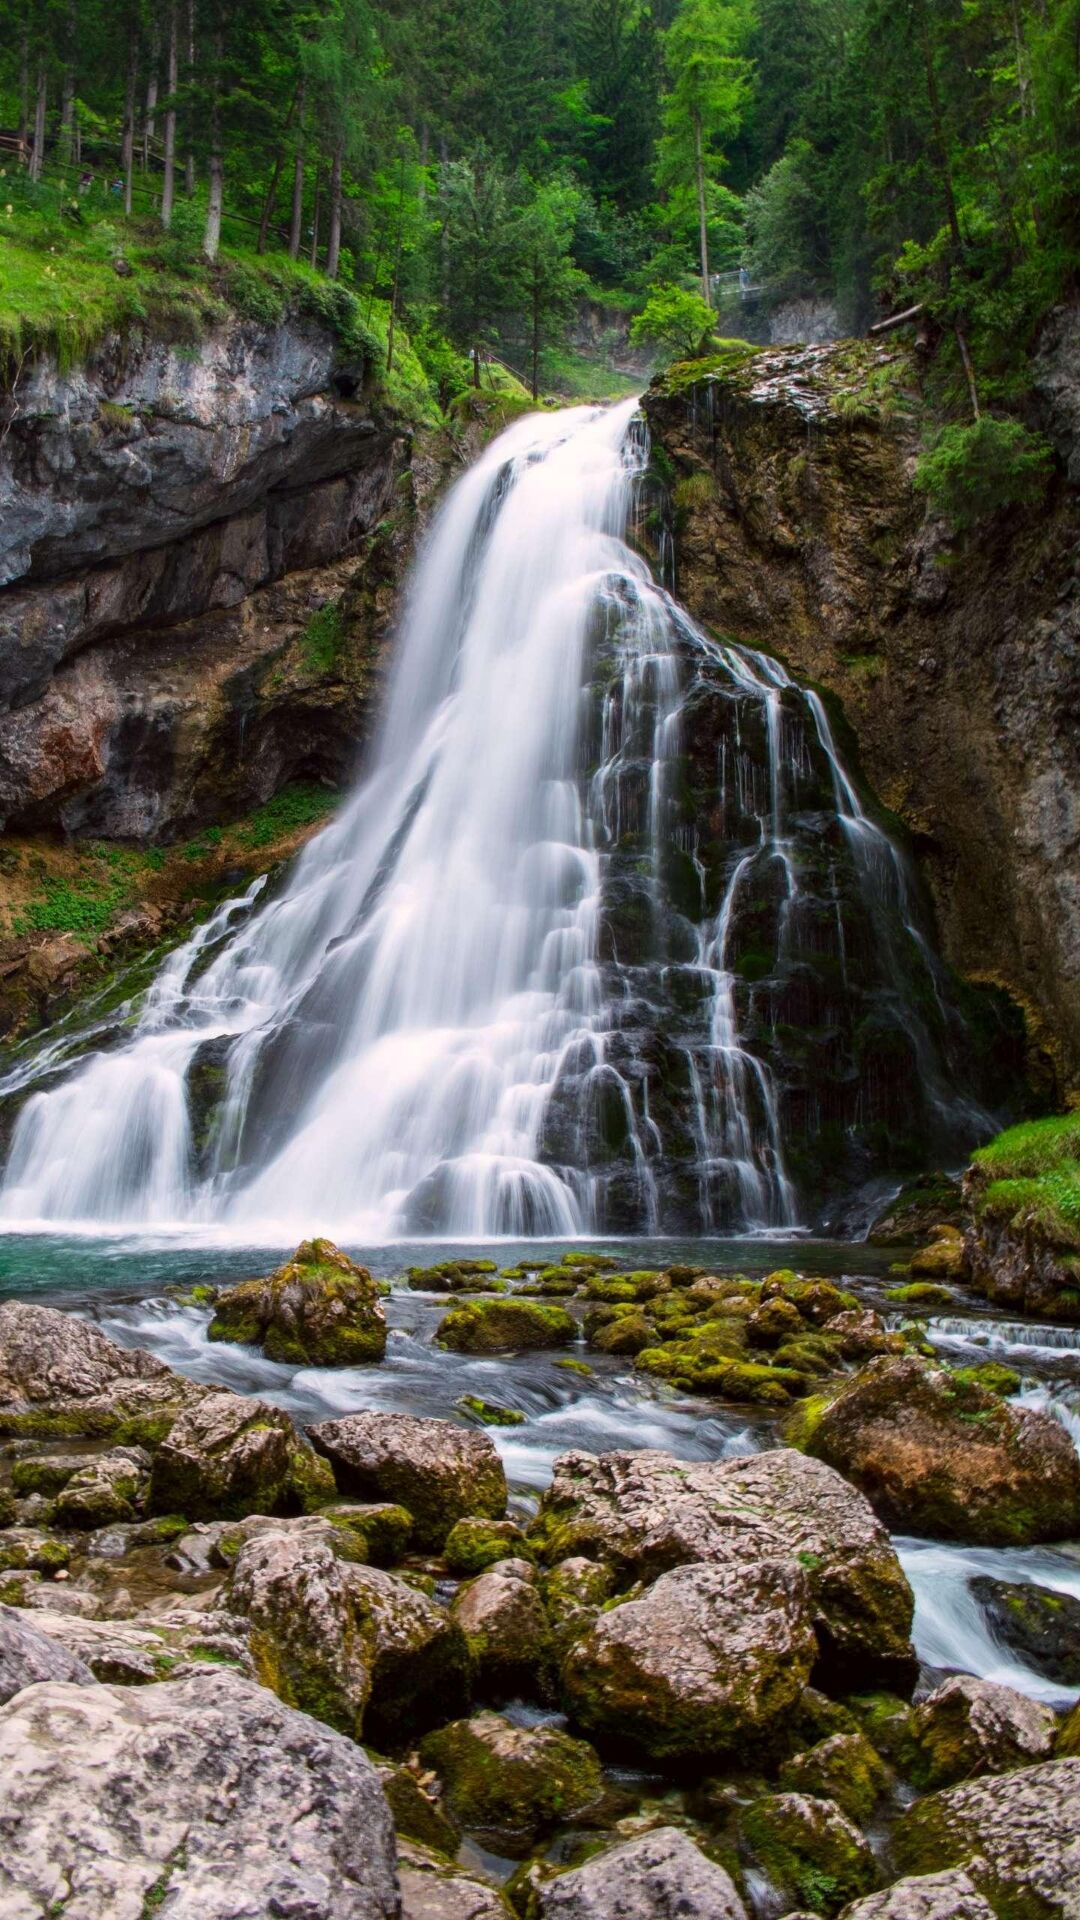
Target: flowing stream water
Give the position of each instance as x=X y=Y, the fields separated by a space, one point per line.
x=556 y=967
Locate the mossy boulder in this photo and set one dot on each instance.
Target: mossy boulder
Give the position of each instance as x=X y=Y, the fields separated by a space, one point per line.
x=810 y=1850
x=632 y=1287
x=1015 y=1834
x=929 y=1201
x=933 y=1896
x=651 y=1876
x=320 y=1310
x=501 y=1615
x=968 y=1726
x=1042 y=1626
x=33 y=1549
x=629 y=1334
x=504 y=1326
x=417 y=1814
x=440 y=1471
x=574 y=1592
x=992 y=1375
x=61 y=1378
x=511 y=1783
x=926 y=1294
x=228 y=1456
x=453 y=1276
x=379 y=1532
x=105 y=1491
x=488 y=1413
x=46 y=1473
x=708 y=1660
x=940 y=1456
x=473 y=1545
x=944 y=1259
x=844 y=1768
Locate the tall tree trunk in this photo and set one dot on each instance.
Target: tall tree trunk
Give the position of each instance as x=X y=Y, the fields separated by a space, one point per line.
x=941 y=142
x=24 y=92
x=212 y=234
x=279 y=161
x=969 y=370
x=703 y=218
x=127 y=143
x=536 y=330
x=296 y=218
x=315 y=218
x=37 y=151
x=189 y=161
x=168 y=183
x=66 y=140
x=151 y=98
x=333 y=238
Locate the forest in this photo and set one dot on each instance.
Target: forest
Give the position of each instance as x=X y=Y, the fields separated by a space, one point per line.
x=474 y=174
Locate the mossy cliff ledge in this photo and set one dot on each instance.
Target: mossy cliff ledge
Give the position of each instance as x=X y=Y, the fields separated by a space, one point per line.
x=957 y=660
x=199 y=550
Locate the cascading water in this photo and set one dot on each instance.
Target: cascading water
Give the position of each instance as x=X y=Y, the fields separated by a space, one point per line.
x=604 y=939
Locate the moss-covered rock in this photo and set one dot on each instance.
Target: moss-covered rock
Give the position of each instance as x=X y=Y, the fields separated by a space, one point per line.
x=1014 y=1833
x=844 y=1768
x=33 y=1549
x=105 y=1491
x=417 y=1814
x=319 y=1309
x=992 y=1376
x=501 y=1615
x=62 y=1379
x=629 y=1333
x=923 y=1293
x=512 y=1783
x=504 y=1326
x=1042 y=1626
x=473 y=1545
x=379 y=1532
x=968 y=1726
x=944 y=1259
x=809 y=1849
x=440 y=1471
x=453 y=1276
x=938 y=1455
x=488 y=1413
x=228 y=1456
x=626 y=1286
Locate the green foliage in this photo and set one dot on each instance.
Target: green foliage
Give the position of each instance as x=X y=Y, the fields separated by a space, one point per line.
x=972 y=471
x=1032 y=1171
x=323 y=639
x=678 y=322
x=300 y=805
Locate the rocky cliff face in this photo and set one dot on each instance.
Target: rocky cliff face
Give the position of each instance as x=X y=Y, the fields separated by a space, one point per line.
x=957 y=663
x=198 y=551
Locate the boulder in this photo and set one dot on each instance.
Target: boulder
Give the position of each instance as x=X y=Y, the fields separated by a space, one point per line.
x=126 y=1653
x=35 y=1549
x=505 y=1326
x=228 y=1455
x=938 y=1454
x=970 y=1726
x=502 y=1618
x=660 y=1875
x=1016 y=1834
x=473 y=1545
x=318 y=1310
x=845 y=1768
x=933 y=1896
x=105 y=1491
x=644 y=1513
x=708 y=1660
x=809 y=1849
x=1041 y=1626
x=418 y=1814
x=574 y=1591
x=439 y=1471
x=944 y=1258
x=434 y=1888
x=512 y=1783
x=205 y=1796
x=356 y=1647
x=28 y=1656
x=61 y=1376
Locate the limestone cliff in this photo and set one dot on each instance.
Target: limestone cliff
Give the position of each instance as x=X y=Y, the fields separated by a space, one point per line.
x=957 y=663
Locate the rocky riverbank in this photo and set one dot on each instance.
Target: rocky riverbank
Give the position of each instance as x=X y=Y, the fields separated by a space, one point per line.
x=669 y=1680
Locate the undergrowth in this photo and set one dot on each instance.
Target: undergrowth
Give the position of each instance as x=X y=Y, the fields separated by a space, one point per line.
x=1033 y=1172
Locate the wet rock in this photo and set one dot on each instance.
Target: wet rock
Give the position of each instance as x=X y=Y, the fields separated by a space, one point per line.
x=473 y=1545
x=934 y=1896
x=357 y=1647
x=773 y=1322
x=206 y=1794
x=941 y=1456
x=124 y=1653
x=62 y=1377
x=318 y=1310
x=229 y=1455
x=929 y=1201
x=945 y=1258
x=661 y=1875
x=574 y=1591
x=106 y=1491
x=644 y=1513
x=844 y=1768
x=438 y=1889
x=861 y=1334
x=709 y=1659
x=512 y=1782
x=439 y=1471
x=27 y=1656
x=418 y=1815
x=1041 y=1626
x=970 y=1726
x=628 y=1333
x=810 y=1850
x=502 y=1618
x=46 y=1473
x=489 y=1413
x=35 y=1549
x=453 y=1276
x=505 y=1326
x=1017 y=1835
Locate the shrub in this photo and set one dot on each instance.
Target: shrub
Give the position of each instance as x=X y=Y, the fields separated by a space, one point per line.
x=676 y=321
x=972 y=471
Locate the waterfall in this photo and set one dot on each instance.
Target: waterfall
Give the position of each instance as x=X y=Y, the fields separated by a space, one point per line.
x=603 y=939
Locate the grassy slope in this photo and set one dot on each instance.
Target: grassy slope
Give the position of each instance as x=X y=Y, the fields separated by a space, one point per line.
x=1034 y=1170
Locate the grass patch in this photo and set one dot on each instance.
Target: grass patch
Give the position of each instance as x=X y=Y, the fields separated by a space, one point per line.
x=302 y=804
x=322 y=640
x=1032 y=1171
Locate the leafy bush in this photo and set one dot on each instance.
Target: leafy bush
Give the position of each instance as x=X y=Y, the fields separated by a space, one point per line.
x=972 y=471
x=678 y=322
x=254 y=293
x=298 y=805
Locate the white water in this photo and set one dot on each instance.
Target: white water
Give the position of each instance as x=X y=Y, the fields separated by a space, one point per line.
x=396 y=1024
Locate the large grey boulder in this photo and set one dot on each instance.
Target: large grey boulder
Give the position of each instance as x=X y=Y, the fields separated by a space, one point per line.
x=61 y=1375
x=106 y=1491
x=709 y=1659
x=644 y=1513
x=1017 y=1835
x=228 y=1456
x=205 y=1797
x=28 y=1656
x=933 y=1896
x=968 y=1726
x=440 y=1471
x=661 y=1875
x=502 y=1618
x=433 y=1888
